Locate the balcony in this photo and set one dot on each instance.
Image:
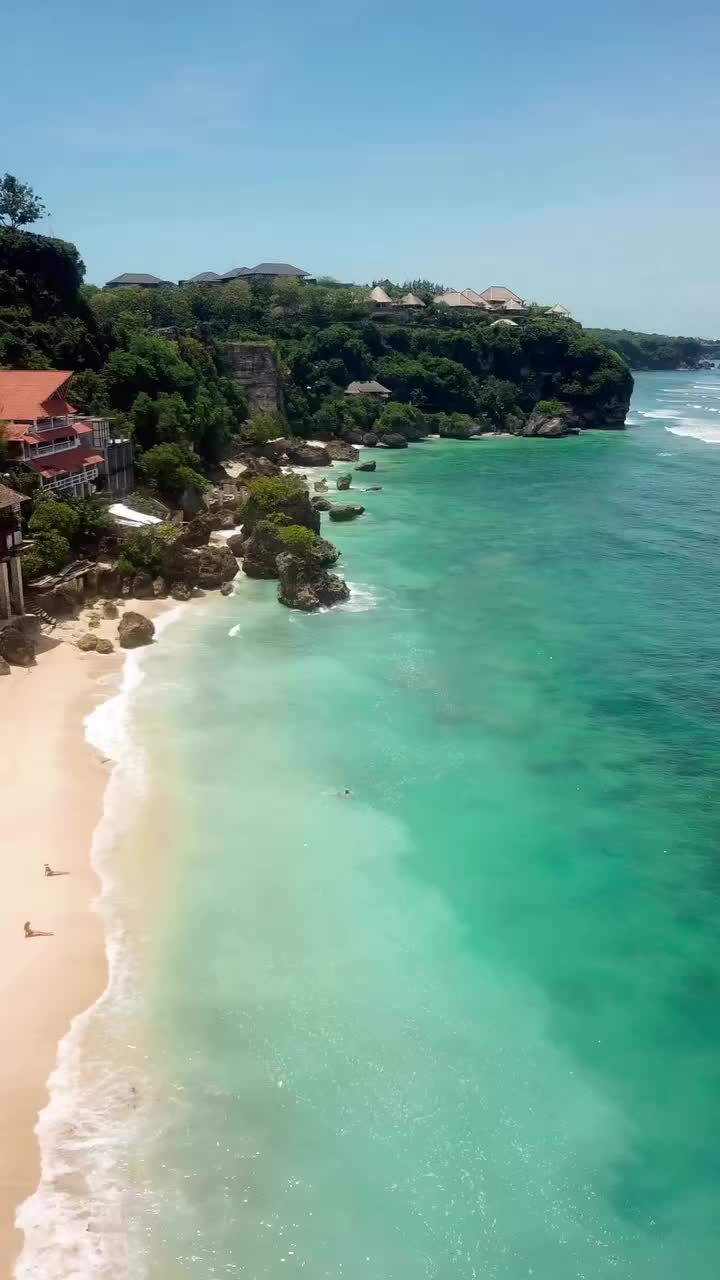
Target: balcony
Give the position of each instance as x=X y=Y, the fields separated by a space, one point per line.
x=77 y=481
x=57 y=446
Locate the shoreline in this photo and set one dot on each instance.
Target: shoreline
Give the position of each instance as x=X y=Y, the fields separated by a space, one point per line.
x=53 y=782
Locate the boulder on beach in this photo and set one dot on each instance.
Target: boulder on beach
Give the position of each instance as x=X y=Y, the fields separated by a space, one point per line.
x=235 y=544
x=226 y=589
x=343 y=511
x=321 y=504
x=141 y=587
x=4 y=667
x=196 y=533
x=135 y=630
x=370 y=440
x=320 y=486
x=110 y=609
x=341 y=450
x=303 y=585
x=87 y=643
x=17 y=645
x=103 y=645
x=159 y=588
x=298 y=452
x=216 y=564
x=370 y=465
x=181 y=592
x=108 y=583
x=549 y=423
x=343 y=482
x=394 y=441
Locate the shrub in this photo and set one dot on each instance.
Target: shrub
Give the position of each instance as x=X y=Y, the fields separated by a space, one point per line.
x=271 y=494
x=265 y=427
x=171 y=468
x=145 y=549
x=52 y=515
x=49 y=552
x=296 y=538
x=552 y=408
x=404 y=420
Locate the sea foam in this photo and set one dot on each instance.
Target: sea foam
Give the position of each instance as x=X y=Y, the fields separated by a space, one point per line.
x=74 y=1224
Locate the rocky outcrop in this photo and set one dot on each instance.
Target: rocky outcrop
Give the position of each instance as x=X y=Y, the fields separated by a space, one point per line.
x=343 y=511
x=196 y=533
x=370 y=440
x=192 y=501
x=320 y=486
x=548 y=426
x=104 y=645
x=108 y=583
x=321 y=504
x=394 y=441
x=235 y=543
x=252 y=364
x=226 y=589
x=88 y=643
x=110 y=609
x=341 y=450
x=306 y=586
x=609 y=415
x=296 y=506
x=159 y=588
x=181 y=592
x=17 y=645
x=343 y=482
x=323 y=553
x=135 y=630
x=141 y=587
x=215 y=565
x=260 y=551
x=366 y=466
x=4 y=667
x=299 y=453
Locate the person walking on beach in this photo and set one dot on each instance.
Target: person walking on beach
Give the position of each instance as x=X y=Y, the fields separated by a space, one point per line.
x=36 y=933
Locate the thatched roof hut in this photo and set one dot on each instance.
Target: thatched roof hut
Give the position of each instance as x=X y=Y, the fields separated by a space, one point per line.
x=452 y=298
x=411 y=300
x=473 y=296
x=498 y=293
x=380 y=296
x=558 y=310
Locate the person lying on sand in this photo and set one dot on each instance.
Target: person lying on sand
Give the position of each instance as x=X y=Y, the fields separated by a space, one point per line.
x=49 y=871
x=36 y=933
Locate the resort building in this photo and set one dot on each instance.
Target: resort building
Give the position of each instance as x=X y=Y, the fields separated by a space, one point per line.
x=511 y=323
x=473 y=296
x=137 y=280
x=269 y=271
x=69 y=453
x=368 y=389
x=499 y=298
x=12 y=600
x=380 y=297
x=453 y=298
x=558 y=310
x=205 y=277
x=411 y=300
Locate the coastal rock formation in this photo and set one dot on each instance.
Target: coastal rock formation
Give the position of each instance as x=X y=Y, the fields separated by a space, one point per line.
x=196 y=533
x=294 y=503
x=343 y=482
x=298 y=452
x=366 y=466
x=159 y=588
x=142 y=586
x=235 y=543
x=341 y=450
x=320 y=486
x=226 y=589
x=215 y=565
x=370 y=440
x=17 y=645
x=260 y=551
x=4 y=667
x=135 y=630
x=110 y=609
x=181 y=591
x=321 y=504
x=307 y=586
x=548 y=425
x=453 y=429
x=343 y=511
x=394 y=441
x=192 y=501
x=103 y=645
x=609 y=415
x=323 y=552
x=108 y=583
x=87 y=643
x=253 y=366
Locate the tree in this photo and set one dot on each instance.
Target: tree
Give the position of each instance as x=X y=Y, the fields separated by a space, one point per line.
x=403 y=420
x=265 y=427
x=19 y=205
x=52 y=515
x=172 y=468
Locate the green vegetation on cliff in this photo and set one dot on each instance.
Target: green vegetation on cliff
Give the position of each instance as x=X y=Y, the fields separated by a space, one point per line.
x=657 y=350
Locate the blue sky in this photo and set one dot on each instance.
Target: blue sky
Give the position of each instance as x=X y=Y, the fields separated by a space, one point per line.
x=568 y=151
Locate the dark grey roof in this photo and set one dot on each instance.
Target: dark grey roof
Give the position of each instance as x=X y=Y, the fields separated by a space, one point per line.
x=233 y=275
x=136 y=277
x=367 y=389
x=276 y=269
x=204 y=277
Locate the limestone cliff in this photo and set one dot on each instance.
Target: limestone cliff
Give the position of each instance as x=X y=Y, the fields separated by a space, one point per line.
x=253 y=365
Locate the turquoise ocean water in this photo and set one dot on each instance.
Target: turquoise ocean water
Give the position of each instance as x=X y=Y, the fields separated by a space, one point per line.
x=466 y=1022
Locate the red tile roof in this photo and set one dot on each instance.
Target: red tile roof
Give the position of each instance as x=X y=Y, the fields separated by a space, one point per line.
x=59 y=464
x=26 y=394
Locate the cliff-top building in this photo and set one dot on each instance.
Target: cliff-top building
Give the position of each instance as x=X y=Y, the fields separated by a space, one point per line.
x=45 y=434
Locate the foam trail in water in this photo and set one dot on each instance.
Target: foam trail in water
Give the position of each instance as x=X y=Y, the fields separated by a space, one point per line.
x=705 y=432
x=361 y=599
x=74 y=1223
